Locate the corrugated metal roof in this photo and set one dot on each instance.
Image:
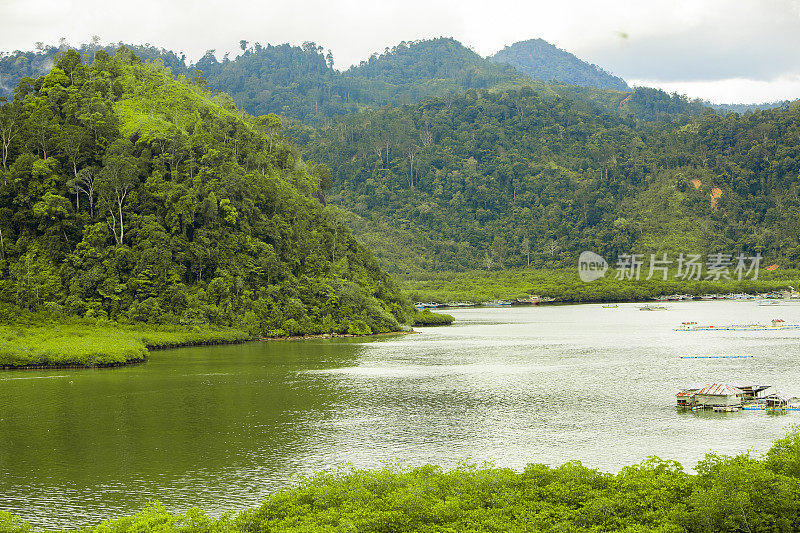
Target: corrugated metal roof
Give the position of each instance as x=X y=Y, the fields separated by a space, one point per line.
x=720 y=389
x=688 y=393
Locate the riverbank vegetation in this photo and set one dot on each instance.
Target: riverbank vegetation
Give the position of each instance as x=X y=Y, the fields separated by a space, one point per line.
x=727 y=495
x=565 y=286
x=99 y=343
x=428 y=318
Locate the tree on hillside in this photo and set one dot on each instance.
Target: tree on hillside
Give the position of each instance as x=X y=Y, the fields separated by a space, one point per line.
x=117 y=179
x=10 y=128
x=84 y=183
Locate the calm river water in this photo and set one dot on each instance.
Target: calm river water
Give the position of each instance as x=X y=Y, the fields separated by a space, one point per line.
x=222 y=427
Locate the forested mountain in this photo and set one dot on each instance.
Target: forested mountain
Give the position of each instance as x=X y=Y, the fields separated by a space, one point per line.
x=502 y=178
x=543 y=61
x=724 y=109
x=431 y=61
x=300 y=82
x=127 y=193
x=517 y=172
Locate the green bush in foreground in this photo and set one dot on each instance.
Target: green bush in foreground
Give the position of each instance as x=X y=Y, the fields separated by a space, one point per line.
x=728 y=494
x=108 y=343
x=427 y=318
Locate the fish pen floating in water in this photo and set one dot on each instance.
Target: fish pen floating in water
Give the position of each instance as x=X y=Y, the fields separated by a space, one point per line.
x=716 y=356
x=776 y=325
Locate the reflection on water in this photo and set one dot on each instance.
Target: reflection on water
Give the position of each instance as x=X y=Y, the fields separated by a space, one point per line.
x=221 y=427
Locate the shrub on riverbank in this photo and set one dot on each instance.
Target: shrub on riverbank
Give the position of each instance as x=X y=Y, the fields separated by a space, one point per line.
x=99 y=344
x=427 y=318
x=728 y=494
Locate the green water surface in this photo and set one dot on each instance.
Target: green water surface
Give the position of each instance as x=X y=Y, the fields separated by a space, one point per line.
x=221 y=427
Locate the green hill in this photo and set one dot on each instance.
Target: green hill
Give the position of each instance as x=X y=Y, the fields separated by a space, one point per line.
x=129 y=194
x=543 y=61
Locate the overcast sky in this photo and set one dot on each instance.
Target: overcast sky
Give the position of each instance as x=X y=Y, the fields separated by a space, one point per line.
x=722 y=50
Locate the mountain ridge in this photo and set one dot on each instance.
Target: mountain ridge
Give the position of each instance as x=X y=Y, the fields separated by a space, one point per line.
x=544 y=61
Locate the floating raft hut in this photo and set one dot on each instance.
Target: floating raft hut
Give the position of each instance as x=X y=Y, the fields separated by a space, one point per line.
x=727 y=396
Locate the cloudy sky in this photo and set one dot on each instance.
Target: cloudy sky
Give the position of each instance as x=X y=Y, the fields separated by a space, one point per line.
x=722 y=50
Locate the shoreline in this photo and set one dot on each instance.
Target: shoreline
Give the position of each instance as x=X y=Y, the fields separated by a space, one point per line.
x=189 y=344
x=333 y=336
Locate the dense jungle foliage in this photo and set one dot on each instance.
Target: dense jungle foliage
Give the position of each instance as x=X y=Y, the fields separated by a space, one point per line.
x=131 y=195
x=542 y=61
x=522 y=173
x=515 y=178
x=727 y=495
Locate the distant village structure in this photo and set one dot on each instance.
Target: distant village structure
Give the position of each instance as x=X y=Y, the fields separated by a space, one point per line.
x=734 y=396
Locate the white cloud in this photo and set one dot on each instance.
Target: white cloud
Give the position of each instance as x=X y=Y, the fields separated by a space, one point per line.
x=733 y=91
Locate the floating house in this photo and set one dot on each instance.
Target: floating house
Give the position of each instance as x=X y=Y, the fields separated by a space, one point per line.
x=732 y=397
x=719 y=395
x=711 y=395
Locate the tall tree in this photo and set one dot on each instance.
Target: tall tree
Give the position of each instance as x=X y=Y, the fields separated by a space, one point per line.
x=118 y=178
x=10 y=128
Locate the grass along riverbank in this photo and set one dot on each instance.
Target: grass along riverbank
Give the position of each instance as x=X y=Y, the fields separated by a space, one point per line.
x=565 y=286
x=99 y=344
x=727 y=495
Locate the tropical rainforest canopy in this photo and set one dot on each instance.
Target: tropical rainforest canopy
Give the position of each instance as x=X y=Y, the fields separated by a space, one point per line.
x=439 y=159
x=126 y=193
x=515 y=178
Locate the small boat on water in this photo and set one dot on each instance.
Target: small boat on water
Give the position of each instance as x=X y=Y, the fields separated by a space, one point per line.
x=653 y=308
x=610 y=306
x=427 y=305
x=459 y=304
x=769 y=302
x=533 y=299
x=497 y=303
x=675 y=298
